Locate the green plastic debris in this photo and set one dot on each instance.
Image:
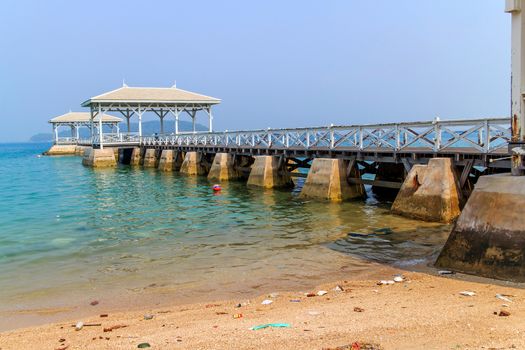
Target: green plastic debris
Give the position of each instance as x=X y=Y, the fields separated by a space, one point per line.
x=275 y=325
x=144 y=346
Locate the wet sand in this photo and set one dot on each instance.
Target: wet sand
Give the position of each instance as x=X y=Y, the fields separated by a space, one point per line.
x=423 y=312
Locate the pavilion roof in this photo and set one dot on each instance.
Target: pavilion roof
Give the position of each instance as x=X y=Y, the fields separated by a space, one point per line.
x=171 y=95
x=81 y=117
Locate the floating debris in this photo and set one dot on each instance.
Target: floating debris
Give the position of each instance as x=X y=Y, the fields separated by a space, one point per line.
x=148 y=317
x=358 y=309
x=237 y=316
x=94 y=303
x=310 y=295
x=267 y=302
x=445 y=272
x=314 y=313
x=467 y=293
x=398 y=279
x=144 y=346
x=322 y=292
x=104 y=315
x=79 y=326
x=504 y=313
x=295 y=300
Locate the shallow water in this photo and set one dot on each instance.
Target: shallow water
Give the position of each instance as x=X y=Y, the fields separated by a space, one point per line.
x=70 y=233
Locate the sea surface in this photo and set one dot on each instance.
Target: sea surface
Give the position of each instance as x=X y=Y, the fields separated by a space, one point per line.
x=130 y=236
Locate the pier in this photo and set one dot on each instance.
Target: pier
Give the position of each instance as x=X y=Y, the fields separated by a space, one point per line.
x=431 y=167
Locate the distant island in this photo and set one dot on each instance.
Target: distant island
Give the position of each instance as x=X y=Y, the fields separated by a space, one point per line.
x=148 y=128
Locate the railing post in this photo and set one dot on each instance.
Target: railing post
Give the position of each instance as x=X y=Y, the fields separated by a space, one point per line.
x=269 y=139
x=437 y=136
x=361 y=146
x=332 y=141
x=486 y=146
x=287 y=140
x=398 y=138
x=308 y=139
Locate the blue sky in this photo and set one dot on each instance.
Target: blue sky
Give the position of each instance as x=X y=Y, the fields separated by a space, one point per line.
x=273 y=63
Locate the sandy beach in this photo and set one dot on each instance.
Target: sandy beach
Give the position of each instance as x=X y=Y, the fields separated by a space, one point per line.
x=422 y=312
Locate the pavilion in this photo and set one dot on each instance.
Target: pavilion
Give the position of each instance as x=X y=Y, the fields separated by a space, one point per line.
x=135 y=101
x=75 y=120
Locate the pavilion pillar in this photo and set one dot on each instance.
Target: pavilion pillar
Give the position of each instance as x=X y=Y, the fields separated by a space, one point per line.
x=77 y=131
x=140 y=122
x=210 y=120
x=55 y=129
x=127 y=120
x=193 y=115
x=100 y=140
x=176 y=121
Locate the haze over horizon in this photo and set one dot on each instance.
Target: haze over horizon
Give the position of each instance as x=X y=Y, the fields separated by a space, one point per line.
x=273 y=64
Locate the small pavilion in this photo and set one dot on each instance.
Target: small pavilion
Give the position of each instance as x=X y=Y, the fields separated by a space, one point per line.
x=75 y=120
x=135 y=101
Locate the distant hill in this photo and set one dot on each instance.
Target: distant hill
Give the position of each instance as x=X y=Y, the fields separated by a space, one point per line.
x=148 y=128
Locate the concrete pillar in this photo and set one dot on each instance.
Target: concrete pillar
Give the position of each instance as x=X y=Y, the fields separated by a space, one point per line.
x=222 y=168
x=267 y=172
x=135 y=156
x=488 y=238
x=167 y=160
x=327 y=180
x=430 y=192
x=99 y=158
x=192 y=164
x=150 y=158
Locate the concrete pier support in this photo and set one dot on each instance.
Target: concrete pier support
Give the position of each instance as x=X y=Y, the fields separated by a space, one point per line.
x=488 y=238
x=222 y=168
x=192 y=164
x=136 y=156
x=269 y=172
x=150 y=158
x=327 y=179
x=61 y=150
x=170 y=160
x=430 y=192
x=99 y=158
x=80 y=150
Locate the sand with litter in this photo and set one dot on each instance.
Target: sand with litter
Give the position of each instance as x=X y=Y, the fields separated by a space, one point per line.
x=424 y=312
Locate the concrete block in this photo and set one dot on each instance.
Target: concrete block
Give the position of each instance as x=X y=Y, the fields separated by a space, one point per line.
x=430 y=192
x=99 y=158
x=192 y=164
x=222 y=168
x=150 y=158
x=327 y=180
x=61 y=150
x=488 y=238
x=266 y=173
x=167 y=160
x=136 y=157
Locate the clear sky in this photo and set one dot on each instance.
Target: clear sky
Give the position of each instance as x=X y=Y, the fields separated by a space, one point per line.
x=273 y=63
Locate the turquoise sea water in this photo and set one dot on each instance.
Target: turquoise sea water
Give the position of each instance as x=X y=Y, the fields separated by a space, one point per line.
x=69 y=234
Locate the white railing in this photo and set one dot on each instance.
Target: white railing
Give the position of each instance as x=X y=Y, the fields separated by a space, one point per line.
x=123 y=137
x=474 y=135
x=66 y=141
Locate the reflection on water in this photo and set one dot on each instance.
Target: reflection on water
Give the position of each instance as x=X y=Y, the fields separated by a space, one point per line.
x=69 y=231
